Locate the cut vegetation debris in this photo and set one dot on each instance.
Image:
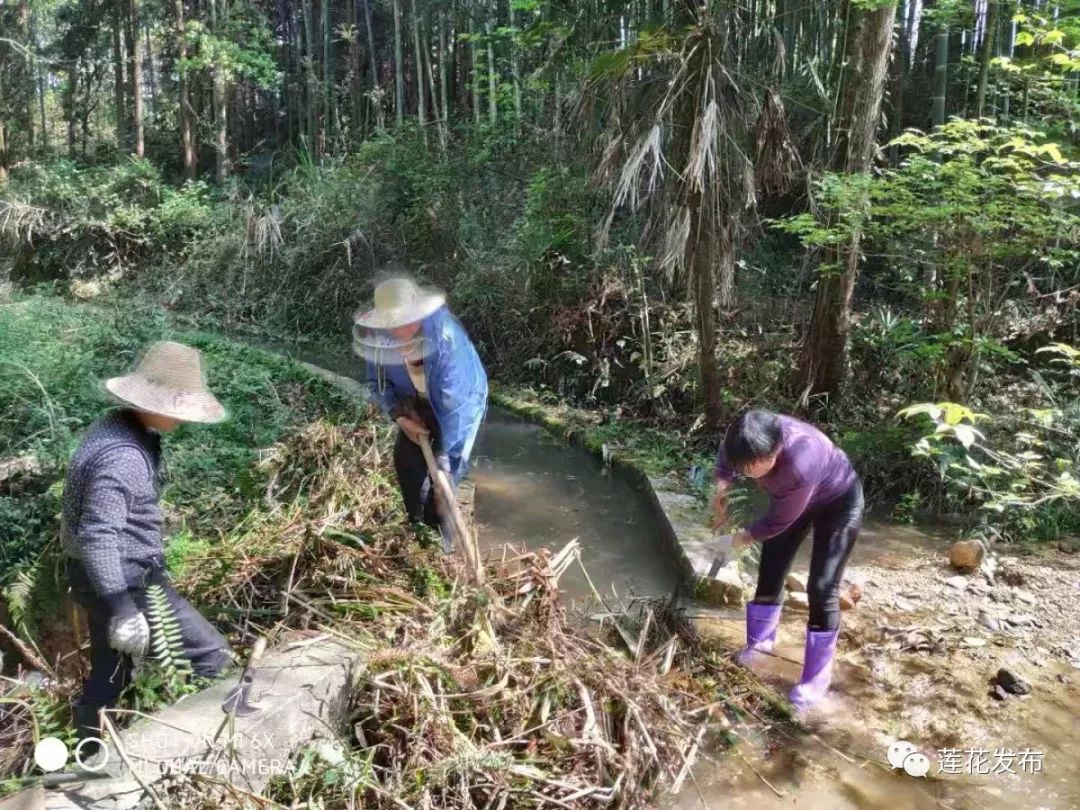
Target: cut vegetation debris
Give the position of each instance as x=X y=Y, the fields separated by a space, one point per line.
x=468 y=696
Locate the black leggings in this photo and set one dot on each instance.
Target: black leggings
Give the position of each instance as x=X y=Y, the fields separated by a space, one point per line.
x=836 y=526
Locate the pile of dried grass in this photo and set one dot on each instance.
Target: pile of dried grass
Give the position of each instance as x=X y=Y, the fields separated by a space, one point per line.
x=469 y=697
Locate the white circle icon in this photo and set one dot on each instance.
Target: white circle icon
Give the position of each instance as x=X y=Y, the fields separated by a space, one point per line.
x=50 y=754
x=96 y=763
x=899 y=751
x=916 y=764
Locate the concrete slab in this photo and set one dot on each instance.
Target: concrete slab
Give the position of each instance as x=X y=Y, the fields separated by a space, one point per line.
x=302 y=692
x=695 y=546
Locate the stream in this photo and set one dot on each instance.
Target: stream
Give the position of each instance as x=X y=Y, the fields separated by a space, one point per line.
x=532 y=488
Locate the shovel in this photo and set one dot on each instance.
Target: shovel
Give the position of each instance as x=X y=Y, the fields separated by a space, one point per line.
x=464 y=537
x=724 y=554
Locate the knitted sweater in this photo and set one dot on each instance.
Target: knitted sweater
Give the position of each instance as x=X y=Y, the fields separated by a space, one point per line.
x=111 y=515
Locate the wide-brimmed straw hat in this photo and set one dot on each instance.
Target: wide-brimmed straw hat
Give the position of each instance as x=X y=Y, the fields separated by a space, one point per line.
x=397 y=302
x=168 y=380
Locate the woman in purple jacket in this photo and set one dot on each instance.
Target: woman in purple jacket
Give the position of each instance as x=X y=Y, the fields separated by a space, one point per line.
x=810 y=483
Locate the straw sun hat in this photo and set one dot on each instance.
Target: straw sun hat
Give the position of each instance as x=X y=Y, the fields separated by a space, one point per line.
x=169 y=381
x=397 y=302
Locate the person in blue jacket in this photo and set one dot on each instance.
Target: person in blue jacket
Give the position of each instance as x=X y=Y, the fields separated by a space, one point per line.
x=422 y=370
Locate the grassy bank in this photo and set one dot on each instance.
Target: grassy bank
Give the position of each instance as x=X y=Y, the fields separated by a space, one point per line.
x=286 y=518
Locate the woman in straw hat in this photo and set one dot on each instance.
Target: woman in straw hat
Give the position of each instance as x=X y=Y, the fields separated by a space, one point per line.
x=112 y=525
x=423 y=370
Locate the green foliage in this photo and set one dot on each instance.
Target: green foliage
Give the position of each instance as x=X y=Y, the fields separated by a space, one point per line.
x=1035 y=477
x=63 y=220
x=242 y=47
x=167 y=636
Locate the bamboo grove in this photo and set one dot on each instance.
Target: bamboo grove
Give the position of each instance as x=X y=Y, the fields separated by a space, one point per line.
x=702 y=118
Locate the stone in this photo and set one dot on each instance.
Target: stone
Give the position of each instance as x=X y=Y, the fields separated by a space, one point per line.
x=850 y=597
x=1070 y=545
x=796 y=582
x=1021 y=620
x=988 y=621
x=797 y=601
x=1026 y=597
x=966 y=555
x=959 y=582
x=974 y=642
x=903 y=604
x=998 y=693
x=1012 y=683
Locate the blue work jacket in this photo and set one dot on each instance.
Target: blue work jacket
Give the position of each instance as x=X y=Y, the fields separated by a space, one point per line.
x=457 y=387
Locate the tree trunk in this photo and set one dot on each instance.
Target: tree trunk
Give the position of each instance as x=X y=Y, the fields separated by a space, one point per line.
x=71 y=94
x=473 y=50
x=39 y=87
x=329 y=104
x=135 y=68
x=700 y=261
x=399 y=67
x=986 y=55
x=444 y=54
x=118 y=75
x=187 y=114
x=515 y=65
x=311 y=95
x=26 y=91
x=375 y=83
x=151 y=77
x=493 y=83
x=941 y=77
x=4 y=158
x=418 y=68
x=356 y=93
x=440 y=123
x=824 y=360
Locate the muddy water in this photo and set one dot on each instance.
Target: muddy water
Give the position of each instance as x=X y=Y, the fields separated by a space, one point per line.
x=532 y=488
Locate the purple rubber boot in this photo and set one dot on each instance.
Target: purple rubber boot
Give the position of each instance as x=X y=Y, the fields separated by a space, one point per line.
x=817 y=668
x=761 y=622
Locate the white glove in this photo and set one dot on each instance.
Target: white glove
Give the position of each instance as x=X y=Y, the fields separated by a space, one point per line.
x=130 y=635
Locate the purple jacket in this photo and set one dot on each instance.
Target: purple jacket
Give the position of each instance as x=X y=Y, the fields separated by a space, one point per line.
x=810 y=471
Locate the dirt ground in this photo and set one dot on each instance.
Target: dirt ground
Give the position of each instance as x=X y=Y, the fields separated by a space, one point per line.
x=916 y=662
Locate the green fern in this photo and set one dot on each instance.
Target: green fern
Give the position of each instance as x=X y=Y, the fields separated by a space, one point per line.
x=18 y=595
x=167 y=643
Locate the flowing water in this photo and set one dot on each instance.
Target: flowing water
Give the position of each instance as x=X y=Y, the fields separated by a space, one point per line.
x=533 y=489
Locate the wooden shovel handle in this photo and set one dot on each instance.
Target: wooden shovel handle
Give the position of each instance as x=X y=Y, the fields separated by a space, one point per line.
x=466 y=541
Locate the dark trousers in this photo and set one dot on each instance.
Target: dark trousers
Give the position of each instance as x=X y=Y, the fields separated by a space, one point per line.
x=836 y=526
x=417 y=490
x=110 y=671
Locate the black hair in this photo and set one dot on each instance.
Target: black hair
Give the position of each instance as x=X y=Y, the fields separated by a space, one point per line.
x=754 y=435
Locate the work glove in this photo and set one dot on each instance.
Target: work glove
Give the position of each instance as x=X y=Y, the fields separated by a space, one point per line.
x=130 y=635
x=129 y=632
